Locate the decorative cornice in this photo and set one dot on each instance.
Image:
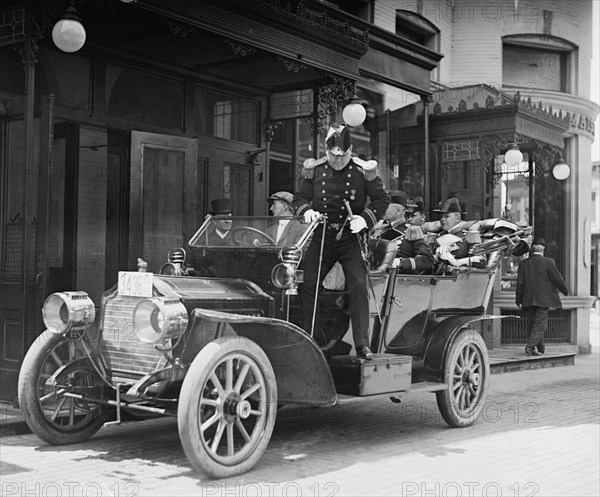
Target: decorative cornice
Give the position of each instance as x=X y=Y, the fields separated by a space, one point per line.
x=250 y=27
x=291 y=65
x=316 y=17
x=239 y=48
x=179 y=28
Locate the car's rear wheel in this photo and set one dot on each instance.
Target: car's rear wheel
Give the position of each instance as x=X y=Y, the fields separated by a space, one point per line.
x=466 y=375
x=227 y=407
x=56 y=419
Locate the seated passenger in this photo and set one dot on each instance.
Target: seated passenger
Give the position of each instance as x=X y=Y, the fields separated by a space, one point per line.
x=392 y=224
x=219 y=234
x=450 y=243
x=285 y=229
x=413 y=253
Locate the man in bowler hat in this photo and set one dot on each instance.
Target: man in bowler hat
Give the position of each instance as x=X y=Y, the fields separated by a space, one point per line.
x=327 y=184
x=538 y=283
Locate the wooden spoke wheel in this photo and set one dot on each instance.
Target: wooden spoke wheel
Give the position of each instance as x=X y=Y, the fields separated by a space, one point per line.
x=227 y=407
x=53 y=417
x=466 y=374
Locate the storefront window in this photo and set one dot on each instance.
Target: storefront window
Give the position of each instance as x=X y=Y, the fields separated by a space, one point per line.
x=512 y=192
x=227 y=116
x=529 y=195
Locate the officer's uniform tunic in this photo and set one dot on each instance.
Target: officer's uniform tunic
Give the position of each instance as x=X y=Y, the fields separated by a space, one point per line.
x=324 y=189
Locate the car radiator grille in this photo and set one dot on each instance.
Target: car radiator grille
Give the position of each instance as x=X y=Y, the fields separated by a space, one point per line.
x=125 y=355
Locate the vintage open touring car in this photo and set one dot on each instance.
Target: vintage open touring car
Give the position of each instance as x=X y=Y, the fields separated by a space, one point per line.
x=213 y=338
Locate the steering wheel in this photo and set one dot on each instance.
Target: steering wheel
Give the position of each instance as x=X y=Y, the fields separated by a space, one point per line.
x=242 y=232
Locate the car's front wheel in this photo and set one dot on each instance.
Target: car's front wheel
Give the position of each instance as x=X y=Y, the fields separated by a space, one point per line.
x=55 y=418
x=227 y=407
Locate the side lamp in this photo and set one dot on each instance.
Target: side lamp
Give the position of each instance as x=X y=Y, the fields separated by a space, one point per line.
x=354 y=114
x=561 y=170
x=68 y=33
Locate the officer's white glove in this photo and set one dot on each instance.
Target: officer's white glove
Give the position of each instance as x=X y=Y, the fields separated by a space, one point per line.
x=311 y=215
x=444 y=253
x=357 y=224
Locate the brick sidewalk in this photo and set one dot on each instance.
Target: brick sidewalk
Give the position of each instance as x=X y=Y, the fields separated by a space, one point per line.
x=539 y=435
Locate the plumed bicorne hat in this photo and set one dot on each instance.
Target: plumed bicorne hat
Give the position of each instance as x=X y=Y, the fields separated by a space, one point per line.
x=450 y=205
x=399 y=197
x=416 y=205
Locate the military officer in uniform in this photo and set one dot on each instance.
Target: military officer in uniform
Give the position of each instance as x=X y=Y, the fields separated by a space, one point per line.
x=327 y=182
x=393 y=223
x=414 y=255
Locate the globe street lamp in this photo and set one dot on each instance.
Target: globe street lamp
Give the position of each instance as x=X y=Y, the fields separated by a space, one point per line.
x=513 y=156
x=354 y=113
x=561 y=170
x=68 y=33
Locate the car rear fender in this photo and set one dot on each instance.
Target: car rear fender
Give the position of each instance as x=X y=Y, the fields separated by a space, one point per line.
x=302 y=373
x=440 y=338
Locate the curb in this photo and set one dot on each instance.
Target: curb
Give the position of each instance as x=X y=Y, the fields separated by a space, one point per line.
x=13 y=428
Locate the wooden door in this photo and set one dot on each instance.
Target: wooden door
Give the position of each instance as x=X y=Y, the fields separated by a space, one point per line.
x=165 y=196
x=23 y=247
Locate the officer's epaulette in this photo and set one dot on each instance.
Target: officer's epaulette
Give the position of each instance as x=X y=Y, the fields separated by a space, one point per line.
x=368 y=167
x=308 y=171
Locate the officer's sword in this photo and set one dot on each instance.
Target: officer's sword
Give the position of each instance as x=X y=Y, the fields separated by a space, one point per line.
x=363 y=252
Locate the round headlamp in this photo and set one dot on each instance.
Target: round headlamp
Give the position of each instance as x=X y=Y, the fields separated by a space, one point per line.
x=283 y=275
x=64 y=311
x=159 y=318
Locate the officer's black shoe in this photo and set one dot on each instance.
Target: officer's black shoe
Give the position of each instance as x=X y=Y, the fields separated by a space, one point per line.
x=541 y=348
x=364 y=352
x=531 y=351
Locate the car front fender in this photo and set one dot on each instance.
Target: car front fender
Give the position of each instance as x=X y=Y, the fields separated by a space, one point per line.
x=302 y=373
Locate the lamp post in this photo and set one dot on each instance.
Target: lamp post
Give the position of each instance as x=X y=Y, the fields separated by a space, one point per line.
x=68 y=33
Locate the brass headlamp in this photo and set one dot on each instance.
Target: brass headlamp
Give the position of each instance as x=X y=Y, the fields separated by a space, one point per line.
x=66 y=311
x=285 y=275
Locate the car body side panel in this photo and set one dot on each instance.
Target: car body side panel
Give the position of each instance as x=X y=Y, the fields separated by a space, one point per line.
x=303 y=375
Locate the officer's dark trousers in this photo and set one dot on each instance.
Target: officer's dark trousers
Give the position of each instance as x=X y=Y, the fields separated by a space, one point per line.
x=347 y=252
x=537 y=322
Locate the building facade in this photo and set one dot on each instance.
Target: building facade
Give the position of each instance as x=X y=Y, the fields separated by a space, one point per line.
x=513 y=71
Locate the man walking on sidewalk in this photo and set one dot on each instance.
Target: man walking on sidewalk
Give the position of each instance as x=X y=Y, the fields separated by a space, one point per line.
x=538 y=282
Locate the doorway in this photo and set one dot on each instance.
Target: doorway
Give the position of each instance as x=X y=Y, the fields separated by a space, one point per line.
x=165 y=201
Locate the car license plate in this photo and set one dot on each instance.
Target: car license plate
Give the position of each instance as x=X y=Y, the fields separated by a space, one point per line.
x=135 y=283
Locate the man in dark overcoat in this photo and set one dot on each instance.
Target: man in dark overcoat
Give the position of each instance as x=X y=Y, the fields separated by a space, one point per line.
x=328 y=182
x=538 y=283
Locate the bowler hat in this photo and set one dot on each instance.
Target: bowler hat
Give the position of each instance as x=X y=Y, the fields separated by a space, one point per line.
x=221 y=206
x=399 y=197
x=286 y=197
x=416 y=205
x=538 y=240
x=450 y=205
